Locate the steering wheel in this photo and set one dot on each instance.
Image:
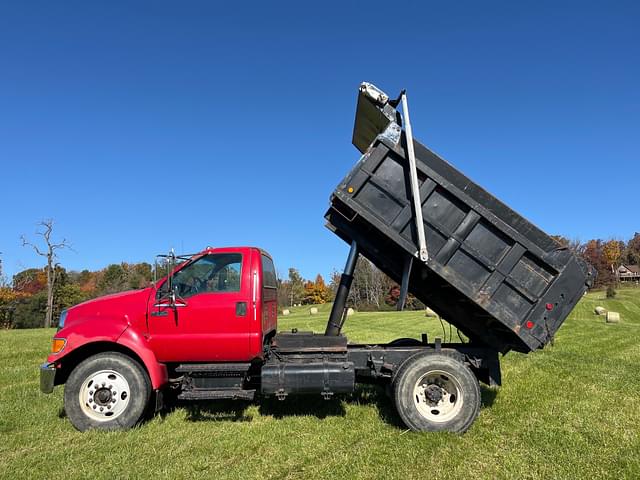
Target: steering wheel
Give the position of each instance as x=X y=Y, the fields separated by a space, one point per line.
x=196 y=287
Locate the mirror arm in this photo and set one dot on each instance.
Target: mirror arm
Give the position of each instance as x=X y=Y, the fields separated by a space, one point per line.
x=171 y=301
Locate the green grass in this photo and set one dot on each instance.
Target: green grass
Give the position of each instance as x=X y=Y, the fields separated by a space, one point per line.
x=570 y=411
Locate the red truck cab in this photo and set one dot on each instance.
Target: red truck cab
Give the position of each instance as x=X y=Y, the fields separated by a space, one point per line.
x=228 y=307
x=224 y=310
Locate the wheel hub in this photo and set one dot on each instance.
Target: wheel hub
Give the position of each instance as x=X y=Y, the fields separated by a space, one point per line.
x=104 y=395
x=437 y=396
x=433 y=393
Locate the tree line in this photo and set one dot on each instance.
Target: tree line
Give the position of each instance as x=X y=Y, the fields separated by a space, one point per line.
x=24 y=301
x=605 y=255
x=35 y=296
x=370 y=290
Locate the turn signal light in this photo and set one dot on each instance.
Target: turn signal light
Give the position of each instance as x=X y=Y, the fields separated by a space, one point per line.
x=57 y=345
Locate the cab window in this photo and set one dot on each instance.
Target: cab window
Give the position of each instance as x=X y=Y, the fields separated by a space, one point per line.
x=219 y=272
x=269 y=278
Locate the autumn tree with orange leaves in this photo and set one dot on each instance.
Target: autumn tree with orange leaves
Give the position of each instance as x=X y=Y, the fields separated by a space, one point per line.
x=316 y=292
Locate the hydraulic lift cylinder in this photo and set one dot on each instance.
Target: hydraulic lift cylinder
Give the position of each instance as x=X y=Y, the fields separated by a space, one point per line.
x=336 y=318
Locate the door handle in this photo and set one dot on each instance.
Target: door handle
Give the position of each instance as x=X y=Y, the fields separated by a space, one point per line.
x=241 y=309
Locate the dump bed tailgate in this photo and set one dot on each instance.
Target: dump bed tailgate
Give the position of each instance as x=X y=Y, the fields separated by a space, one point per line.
x=491 y=273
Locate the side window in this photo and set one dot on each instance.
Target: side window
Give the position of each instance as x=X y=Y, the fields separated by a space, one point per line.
x=269 y=278
x=220 y=272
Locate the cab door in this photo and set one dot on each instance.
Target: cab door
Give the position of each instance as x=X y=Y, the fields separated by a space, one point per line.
x=211 y=315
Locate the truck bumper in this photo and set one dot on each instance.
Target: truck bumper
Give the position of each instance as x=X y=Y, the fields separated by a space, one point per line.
x=47 y=377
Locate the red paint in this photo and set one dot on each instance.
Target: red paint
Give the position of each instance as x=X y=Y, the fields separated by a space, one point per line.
x=208 y=329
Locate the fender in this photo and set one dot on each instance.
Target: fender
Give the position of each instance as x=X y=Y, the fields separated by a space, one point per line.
x=116 y=330
x=89 y=331
x=136 y=342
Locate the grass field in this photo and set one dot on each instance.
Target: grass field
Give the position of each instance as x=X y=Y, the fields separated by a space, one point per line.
x=570 y=411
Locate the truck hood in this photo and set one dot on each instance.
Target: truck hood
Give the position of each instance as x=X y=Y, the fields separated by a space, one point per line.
x=129 y=306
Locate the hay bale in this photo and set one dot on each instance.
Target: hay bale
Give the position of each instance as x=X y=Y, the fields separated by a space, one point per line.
x=430 y=313
x=613 y=317
x=285 y=312
x=313 y=311
x=350 y=311
x=600 y=311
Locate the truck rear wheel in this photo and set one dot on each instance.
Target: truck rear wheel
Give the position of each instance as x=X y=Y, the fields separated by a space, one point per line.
x=108 y=391
x=434 y=392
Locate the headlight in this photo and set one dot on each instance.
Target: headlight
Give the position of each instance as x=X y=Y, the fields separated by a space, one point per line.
x=63 y=317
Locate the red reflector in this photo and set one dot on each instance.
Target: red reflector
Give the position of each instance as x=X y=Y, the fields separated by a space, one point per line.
x=529 y=324
x=549 y=306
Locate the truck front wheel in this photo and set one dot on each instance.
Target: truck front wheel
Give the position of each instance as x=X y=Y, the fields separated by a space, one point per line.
x=108 y=391
x=434 y=392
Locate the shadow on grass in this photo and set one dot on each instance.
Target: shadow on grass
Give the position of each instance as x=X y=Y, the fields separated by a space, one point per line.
x=236 y=411
x=293 y=406
x=380 y=398
x=302 y=405
x=209 y=411
x=220 y=411
x=488 y=395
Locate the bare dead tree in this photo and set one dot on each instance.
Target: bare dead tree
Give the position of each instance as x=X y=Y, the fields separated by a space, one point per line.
x=45 y=229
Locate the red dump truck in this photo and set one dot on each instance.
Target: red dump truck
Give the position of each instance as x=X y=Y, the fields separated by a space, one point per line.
x=208 y=329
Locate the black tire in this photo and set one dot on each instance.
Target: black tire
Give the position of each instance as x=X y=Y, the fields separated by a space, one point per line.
x=405 y=342
x=120 y=399
x=435 y=392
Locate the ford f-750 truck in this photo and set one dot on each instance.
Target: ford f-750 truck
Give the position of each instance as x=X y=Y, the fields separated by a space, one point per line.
x=208 y=330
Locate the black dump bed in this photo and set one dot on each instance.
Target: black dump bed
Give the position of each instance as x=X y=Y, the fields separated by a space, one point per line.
x=491 y=273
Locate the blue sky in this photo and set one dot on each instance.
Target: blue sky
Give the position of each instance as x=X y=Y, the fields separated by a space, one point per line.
x=139 y=126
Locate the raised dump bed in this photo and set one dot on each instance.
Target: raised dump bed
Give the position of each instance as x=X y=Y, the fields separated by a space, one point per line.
x=491 y=273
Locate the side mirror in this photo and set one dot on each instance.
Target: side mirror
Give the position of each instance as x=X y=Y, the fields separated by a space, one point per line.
x=166 y=295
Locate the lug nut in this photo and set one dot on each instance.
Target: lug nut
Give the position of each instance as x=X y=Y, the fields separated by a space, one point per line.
x=101 y=409
x=94 y=406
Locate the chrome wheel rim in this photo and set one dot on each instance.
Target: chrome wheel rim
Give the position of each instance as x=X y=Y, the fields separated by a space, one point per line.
x=104 y=395
x=438 y=396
